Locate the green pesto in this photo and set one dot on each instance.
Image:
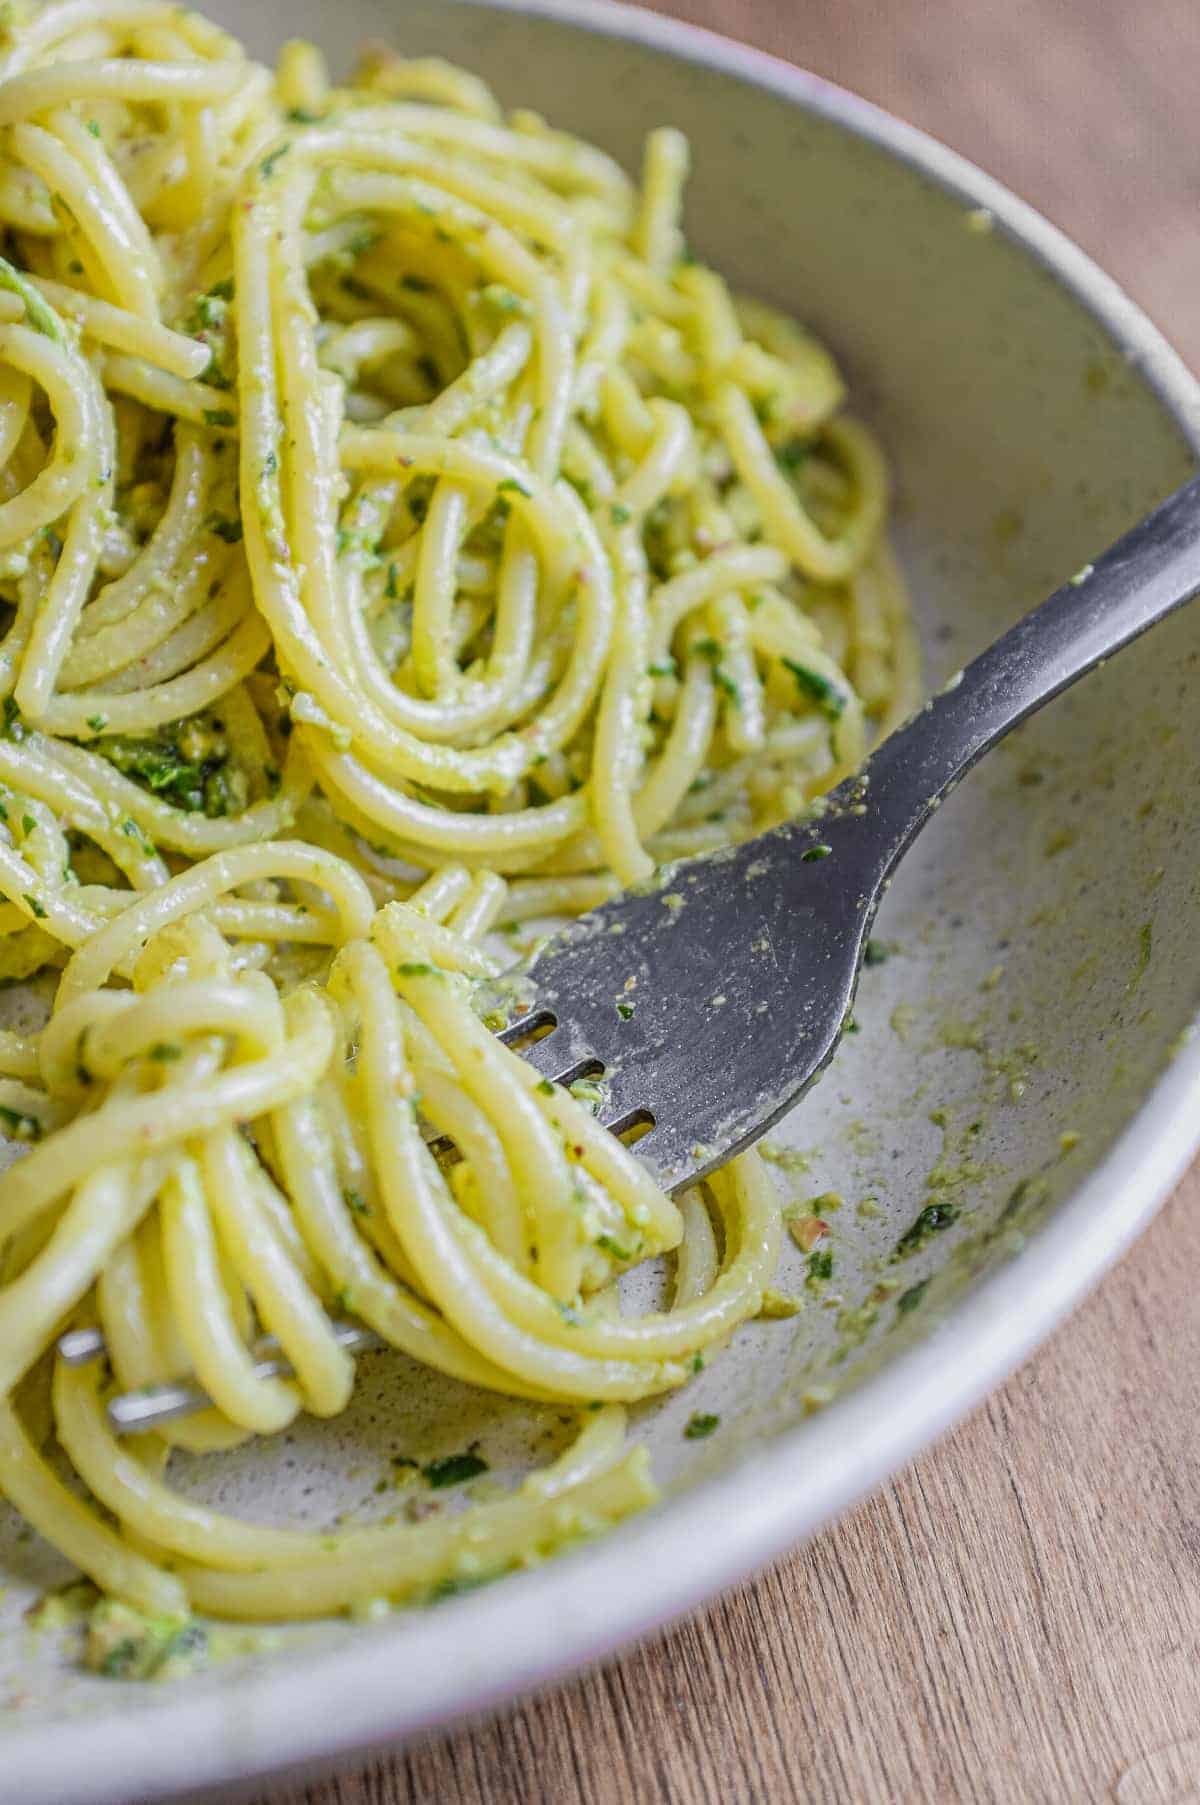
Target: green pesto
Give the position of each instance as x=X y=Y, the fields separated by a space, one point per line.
x=454 y=1469
x=700 y=1426
x=933 y=1220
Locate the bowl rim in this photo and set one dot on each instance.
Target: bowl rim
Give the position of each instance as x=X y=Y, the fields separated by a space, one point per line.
x=479 y=1652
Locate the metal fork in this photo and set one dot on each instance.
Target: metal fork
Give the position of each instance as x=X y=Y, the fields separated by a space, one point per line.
x=709 y=1001
x=714 y=998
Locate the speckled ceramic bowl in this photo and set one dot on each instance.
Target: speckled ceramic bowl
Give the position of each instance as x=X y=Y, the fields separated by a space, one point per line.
x=1023 y=1054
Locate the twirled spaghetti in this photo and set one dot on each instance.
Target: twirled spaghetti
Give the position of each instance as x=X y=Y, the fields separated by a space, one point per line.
x=401 y=537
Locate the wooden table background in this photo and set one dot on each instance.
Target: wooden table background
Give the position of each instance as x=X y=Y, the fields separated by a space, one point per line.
x=1017 y=1618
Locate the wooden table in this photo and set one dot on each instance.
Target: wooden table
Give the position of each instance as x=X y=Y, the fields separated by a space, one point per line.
x=1017 y=1618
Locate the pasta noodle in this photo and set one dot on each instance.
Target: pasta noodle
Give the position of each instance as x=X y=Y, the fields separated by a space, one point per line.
x=401 y=539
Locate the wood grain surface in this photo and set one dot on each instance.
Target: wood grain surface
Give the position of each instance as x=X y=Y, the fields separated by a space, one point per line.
x=1017 y=1618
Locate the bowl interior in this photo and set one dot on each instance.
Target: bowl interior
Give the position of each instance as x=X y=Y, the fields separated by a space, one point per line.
x=1041 y=937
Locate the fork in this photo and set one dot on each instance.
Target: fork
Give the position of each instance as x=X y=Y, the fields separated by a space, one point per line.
x=711 y=999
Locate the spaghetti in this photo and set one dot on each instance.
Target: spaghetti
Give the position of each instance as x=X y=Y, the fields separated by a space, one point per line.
x=401 y=538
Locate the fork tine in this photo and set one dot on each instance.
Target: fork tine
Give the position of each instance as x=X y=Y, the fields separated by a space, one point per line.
x=562 y=1055
x=134 y=1412
x=79 y=1347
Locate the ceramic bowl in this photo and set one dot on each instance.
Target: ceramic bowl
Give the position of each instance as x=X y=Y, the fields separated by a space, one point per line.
x=1023 y=1054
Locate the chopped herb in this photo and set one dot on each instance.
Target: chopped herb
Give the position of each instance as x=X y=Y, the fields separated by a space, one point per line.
x=12 y=726
x=820 y=1265
x=726 y=684
x=820 y=851
x=93 y=126
x=362 y=242
x=502 y=300
x=303 y=116
x=166 y=1050
x=223 y=290
x=791 y=455
x=454 y=1586
x=358 y=1206
x=208 y=314
x=121 y=1660
x=908 y=1300
x=219 y=416
x=27 y=824
x=876 y=953
x=613 y=1247
x=707 y=648
x=625 y=1011
x=20 y=1126
x=192 y=1639
x=932 y=1220
x=697 y=1363
x=621 y=515
x=35 y=906
x=700 y=1425
x=416 y=970
x=455 y=1469
x=97 y=722
x=348 y=540
x=268 y=165
x=188 y=769
x=546 y=1088
x=1145 y=954
x=510 y=486
x=664 y=667
x=822 y=690
x=1021 y=1194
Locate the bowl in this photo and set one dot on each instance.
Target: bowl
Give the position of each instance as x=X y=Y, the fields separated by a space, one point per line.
x=1023 y=1054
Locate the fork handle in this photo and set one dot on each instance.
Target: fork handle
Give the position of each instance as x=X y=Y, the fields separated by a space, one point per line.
x=1141 y=579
